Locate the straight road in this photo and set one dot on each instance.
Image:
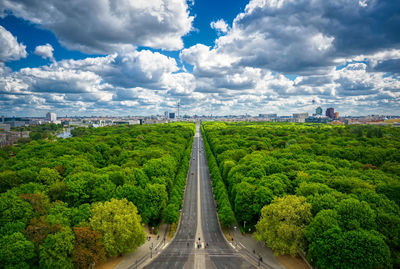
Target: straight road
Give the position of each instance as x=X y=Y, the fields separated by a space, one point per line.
x=220 y=253
x=199 y=225
x=180 y=252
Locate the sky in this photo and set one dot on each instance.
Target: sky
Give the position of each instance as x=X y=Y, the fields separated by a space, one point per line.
x=219 y=57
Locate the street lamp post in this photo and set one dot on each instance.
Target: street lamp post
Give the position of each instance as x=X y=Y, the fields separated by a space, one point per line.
x=234 y=229
x=151 y=251
x=244 y=224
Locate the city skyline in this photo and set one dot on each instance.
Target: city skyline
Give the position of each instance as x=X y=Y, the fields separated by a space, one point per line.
x=214 y=57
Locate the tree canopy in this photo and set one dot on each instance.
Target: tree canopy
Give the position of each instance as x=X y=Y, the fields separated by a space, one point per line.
x=55 y=192
x=348 y=176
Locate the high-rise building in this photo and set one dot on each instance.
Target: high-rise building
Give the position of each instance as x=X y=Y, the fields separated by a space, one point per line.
x=318 y=111
x=336 y=115
x=50 y=116
x=330 y=112
x=172 y=115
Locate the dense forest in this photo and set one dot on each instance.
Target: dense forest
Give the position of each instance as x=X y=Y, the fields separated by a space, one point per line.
x=68 y=203
x=332 y=192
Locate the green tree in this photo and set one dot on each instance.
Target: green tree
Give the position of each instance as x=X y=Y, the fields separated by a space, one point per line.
x=320 y=202
x=48 y=176
x=282 y=224
x=13 y=208
x=79 y=187
x=322 y=222
x=171 y=213
x=354 y=214
x=56 y=250
x=8 y=179
x=352 y=249
x=120 y=225
x=27 y=175
x=245 y=193
x=103 y=189
x=225 y=213
x=12 y=227
x=16 y=251
x=134 y=194
x=57 y=191
x=60 y=213
x=80 y=214
x=155 y=197
x=325 y=250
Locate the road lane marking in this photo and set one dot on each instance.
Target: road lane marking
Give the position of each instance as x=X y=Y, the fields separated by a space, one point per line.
x=199 y=260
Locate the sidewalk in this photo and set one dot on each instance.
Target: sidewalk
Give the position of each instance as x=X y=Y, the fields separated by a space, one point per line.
x=142 y=253
x=248 y=246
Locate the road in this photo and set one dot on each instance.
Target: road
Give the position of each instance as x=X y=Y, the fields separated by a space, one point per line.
x=199 y=220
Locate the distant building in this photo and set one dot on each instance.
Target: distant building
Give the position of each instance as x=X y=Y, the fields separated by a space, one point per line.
x=171 y=115
x=318 y=111
x=318 y=119
x=300 y=115
x=5 y=127
x=330 y=112
x=50 y=116
x=336 y=115
x=9 y=138
x=166 y=114
x=268 y=116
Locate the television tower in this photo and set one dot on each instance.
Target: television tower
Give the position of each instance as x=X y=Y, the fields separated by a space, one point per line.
x=179 y=105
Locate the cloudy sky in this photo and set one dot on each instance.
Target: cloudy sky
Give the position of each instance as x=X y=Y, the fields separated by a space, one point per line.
x=140 y=57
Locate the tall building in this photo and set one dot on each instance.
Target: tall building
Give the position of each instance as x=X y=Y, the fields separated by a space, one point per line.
x=330 y=112
x=318 y=111
x=50 y=116
x=336 y=115
x=172 y=115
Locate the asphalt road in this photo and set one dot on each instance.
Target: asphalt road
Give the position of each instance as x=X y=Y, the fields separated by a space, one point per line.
x=199 y=220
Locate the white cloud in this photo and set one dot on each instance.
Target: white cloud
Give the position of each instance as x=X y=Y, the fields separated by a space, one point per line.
x=248 y=70
x=136 y=81
x=220 y=26
x=94 y=26
x=10 y=48
x=308 y=37
x=45 y=51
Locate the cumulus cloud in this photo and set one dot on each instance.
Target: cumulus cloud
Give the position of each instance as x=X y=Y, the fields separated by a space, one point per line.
x=299 y=37
x=98 y=26
x=278 y=56
x=341 y=53
x=135 y=81
x=220 y=26
x=10 y=48
x=45 y=51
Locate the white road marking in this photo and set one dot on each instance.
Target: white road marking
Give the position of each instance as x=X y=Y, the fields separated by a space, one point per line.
x=199 y=260
x=165 y=245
